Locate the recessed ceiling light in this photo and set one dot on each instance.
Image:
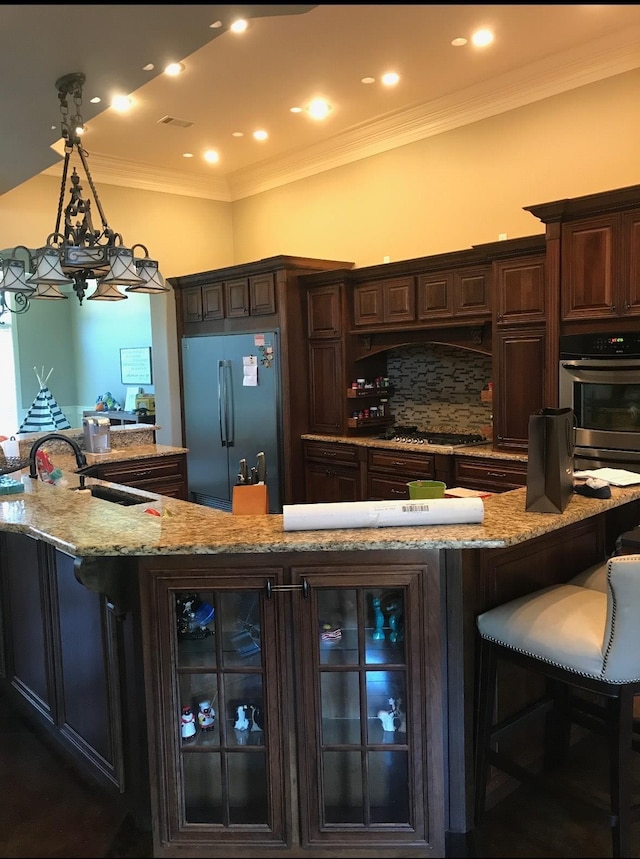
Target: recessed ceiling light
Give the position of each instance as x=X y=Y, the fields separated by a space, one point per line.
x=187 y=154
x=239 y=25
x=174 y=69
x=368 y=80
x=295 y=109
x=121 y=103
x=482 y=38
x=318 y=108
x=237 y=133
x=148 y=68
x=211 y=156
x=95 y=100
x=390 y=78
x=459 y=42
x=216 y=25
x=260 y=135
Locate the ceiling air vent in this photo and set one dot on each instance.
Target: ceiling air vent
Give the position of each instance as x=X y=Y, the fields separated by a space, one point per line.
x=173 y=120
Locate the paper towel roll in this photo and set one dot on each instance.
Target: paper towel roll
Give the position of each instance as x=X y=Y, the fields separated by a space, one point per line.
x=381 y=514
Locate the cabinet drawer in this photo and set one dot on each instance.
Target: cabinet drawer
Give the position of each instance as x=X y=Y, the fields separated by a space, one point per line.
x=383 y=487
x=339 y=453
x=411 y=465
x=498 y=475
x=142 y=471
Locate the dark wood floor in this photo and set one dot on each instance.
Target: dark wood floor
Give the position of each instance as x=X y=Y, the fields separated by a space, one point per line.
x=48 y=811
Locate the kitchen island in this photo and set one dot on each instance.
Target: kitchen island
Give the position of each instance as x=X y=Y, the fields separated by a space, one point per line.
x=340 y=664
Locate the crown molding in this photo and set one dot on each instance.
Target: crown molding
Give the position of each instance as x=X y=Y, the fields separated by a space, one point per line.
x=595 y=61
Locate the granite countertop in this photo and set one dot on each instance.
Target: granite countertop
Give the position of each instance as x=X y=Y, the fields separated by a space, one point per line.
x=85 y=526
x=483 y=450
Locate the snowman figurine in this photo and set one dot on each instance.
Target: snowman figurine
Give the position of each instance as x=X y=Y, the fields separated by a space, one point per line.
x=187 y=723
x=206 y=716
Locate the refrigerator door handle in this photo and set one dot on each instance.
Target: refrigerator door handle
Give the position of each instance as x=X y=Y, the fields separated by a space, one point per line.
x=225 y=409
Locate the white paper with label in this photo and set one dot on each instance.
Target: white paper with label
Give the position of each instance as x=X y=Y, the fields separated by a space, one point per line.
x=383 y=514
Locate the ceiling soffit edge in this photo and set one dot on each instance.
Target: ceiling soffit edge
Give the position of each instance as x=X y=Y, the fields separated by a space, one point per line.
x=595 y=61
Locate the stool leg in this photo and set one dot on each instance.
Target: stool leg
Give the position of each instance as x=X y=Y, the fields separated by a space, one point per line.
x=486 y=696
x=620 y=732
x=557 y=731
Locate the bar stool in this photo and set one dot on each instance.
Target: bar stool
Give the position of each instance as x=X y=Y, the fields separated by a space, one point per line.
x=580 y=639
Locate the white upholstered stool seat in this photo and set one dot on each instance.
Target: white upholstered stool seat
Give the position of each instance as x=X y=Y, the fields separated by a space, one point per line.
x=579 y=637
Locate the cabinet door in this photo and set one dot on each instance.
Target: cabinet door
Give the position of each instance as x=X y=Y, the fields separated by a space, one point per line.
x=519 y=367
x=367 y=304
x=435 y=296
x=325 y=483
x=212 y=301
x=192 y=304
x=471 y=292
x=399 y=300
x=237 y=297
x=589 y=260
x=326 y=385
x=519 y=293
x=324 y=316
x=630 y=279
x=262 y=294
x=220 y=727
x=362 y=711
x=27 y=588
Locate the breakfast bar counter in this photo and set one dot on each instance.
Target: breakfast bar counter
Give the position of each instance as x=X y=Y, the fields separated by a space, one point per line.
x=340 y=663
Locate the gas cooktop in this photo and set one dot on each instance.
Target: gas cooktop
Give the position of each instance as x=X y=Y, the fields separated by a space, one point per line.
x=411 y=435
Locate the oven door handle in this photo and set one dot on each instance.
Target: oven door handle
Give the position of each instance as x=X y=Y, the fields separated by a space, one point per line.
x=595 y=374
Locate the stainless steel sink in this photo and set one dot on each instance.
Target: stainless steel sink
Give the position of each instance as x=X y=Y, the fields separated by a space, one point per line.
x=116 y=496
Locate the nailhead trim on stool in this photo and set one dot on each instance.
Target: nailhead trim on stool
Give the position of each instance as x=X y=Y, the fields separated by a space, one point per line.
x=578 y=637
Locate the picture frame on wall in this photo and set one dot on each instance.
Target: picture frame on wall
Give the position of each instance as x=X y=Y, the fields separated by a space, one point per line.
x=135 y=366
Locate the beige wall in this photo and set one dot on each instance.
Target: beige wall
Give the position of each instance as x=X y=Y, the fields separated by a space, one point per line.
x=444 y=193
x=460 y=188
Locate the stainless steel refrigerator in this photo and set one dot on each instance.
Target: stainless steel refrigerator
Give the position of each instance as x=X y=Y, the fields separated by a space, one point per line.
x=232 y=396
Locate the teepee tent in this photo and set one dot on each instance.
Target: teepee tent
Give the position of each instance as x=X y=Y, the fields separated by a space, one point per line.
x=44 y=414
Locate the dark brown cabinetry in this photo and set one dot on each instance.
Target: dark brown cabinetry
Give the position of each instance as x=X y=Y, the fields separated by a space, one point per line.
x=523 y=366
x=345 y=762
x=333 y=472
x=388 y=472
x=600 y=262
x=386 y=301
x=63 y=656
x=449 y=295
x=594 y=243
x=267 y=295
x=494 y=475
x=166 y=475
x=202 y=303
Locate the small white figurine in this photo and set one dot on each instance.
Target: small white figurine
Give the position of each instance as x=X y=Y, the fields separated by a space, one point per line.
x=242 y=723
x=187 y=723
x=387 y=717
x=206 y=716
x=254 y=725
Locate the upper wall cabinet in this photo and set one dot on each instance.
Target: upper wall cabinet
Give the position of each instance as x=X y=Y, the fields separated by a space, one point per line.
x=385 y=301
x=598 y=248
x=449 y=289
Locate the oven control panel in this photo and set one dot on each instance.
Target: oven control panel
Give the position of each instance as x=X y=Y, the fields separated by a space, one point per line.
x=600 y=345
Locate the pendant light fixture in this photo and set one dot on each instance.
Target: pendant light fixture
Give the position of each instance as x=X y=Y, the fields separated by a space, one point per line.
x=76 y=253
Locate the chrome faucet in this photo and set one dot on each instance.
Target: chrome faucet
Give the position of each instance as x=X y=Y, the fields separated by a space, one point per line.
x=81 y=459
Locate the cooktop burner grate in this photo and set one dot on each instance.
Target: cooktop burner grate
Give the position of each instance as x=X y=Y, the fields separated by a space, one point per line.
x=411 y=435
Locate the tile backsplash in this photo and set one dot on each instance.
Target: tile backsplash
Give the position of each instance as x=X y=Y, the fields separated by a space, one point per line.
x=437 y=387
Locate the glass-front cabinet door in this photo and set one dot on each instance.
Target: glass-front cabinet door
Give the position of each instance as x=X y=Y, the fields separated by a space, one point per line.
x=362 y=656
x=223 y=782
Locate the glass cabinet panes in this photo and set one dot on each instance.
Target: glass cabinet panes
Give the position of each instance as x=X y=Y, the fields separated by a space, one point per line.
x=220 y=696
x=364 y=760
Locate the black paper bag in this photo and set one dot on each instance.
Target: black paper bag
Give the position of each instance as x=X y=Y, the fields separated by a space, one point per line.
x=550 y=462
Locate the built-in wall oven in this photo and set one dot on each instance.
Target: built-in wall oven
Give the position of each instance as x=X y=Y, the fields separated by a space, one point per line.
x=600 y=380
